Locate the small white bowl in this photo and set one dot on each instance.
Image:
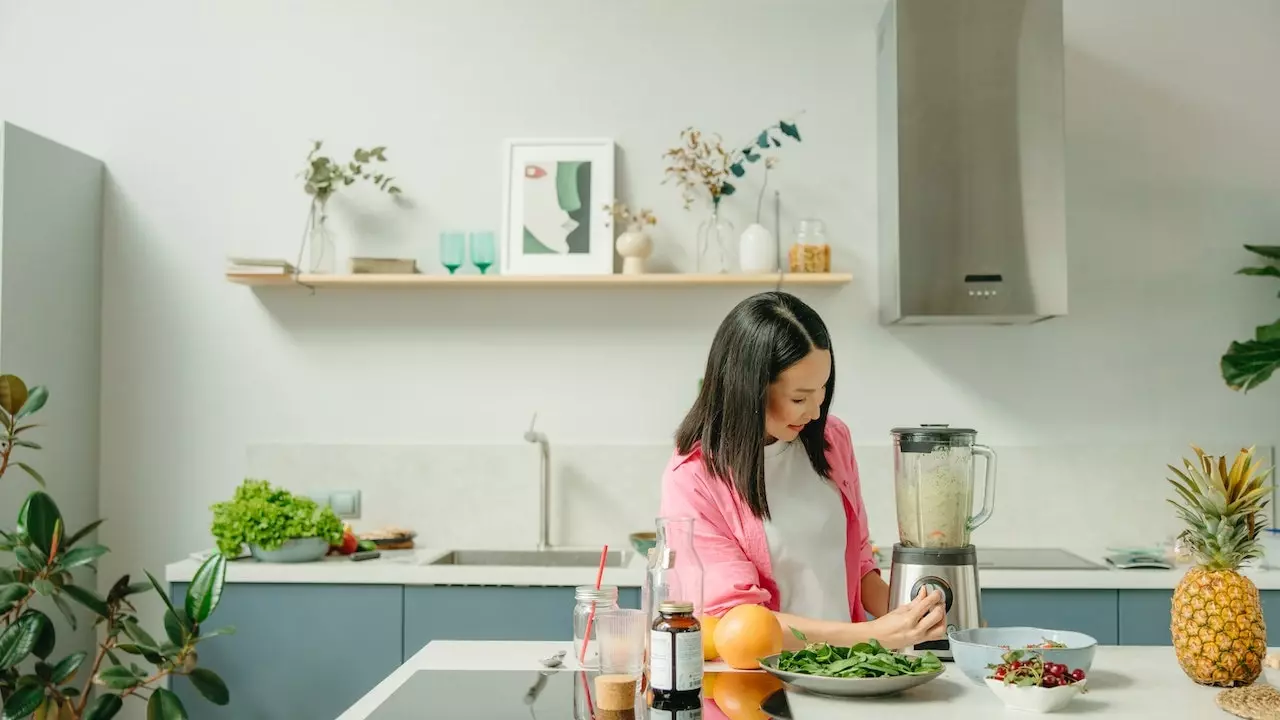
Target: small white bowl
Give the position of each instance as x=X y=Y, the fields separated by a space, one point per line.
x=1035 y=699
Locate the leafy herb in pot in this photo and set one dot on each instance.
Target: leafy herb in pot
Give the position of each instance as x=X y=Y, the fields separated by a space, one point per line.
x=864 y=660
x=267 y=517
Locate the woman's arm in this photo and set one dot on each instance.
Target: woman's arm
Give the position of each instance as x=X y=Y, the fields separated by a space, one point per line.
x=875 y=595
x=924 y=618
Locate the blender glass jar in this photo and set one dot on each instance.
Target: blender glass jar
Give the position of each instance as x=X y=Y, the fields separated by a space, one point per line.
x=933 y=485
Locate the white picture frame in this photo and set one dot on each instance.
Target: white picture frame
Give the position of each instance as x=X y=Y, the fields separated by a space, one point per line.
x=541 y=237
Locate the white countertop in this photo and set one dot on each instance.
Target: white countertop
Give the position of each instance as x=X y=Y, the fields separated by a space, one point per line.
x=1124 y=682
x=412 y=567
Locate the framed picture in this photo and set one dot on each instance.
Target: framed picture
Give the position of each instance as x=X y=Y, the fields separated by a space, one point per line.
x=554 y=194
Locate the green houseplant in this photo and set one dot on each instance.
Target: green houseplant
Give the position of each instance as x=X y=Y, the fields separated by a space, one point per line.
x=58 y=688
x=265 y=518
x=1250 y=363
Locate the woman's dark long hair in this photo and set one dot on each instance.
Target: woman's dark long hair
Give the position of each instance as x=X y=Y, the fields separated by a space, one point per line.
x=761 y=337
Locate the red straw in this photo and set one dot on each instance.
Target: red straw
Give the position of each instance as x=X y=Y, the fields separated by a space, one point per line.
x=582 y=657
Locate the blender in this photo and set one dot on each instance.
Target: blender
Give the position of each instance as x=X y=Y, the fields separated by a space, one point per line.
x=933 y=479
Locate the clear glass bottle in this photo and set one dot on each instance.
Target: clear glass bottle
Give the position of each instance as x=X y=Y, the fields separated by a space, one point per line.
x=586 y=599
x=675 y=571
x=715 y=238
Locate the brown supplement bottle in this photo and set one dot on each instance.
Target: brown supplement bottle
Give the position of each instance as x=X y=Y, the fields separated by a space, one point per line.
x=675 y=653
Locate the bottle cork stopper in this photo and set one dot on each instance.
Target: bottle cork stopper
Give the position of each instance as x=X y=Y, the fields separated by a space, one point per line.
x=616 y=692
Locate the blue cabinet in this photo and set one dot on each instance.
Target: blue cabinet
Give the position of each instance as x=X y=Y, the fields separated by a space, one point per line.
x=1144 y=616
x=1092 y=612
x=299 y=651
x=470 y=612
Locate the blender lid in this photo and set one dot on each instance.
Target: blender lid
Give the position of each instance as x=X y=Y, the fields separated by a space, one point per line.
x=927 y=437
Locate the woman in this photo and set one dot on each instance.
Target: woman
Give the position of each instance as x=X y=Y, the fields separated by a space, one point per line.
x=771 y=481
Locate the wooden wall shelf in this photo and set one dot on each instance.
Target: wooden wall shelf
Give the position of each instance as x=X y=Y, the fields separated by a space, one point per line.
x=548 y=281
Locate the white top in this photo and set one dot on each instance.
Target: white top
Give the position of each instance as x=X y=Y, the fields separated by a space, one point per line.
x=806 y=535
x=1125 y=683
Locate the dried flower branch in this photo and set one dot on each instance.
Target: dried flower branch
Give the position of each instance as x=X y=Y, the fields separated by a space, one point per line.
x=641 y=217
x=701 y=164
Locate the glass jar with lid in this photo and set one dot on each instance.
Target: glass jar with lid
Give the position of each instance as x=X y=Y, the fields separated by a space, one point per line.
x=590 y=601
x=810 y=253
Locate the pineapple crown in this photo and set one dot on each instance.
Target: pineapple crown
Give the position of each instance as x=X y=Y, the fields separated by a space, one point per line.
x=1221 y=507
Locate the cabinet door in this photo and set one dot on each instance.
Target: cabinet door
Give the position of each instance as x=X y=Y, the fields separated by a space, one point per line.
x=1092 y=612
x=299 y=651
x=1145 y=616
x=482 y=612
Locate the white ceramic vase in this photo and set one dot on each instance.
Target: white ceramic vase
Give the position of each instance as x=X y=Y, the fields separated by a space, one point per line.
x=634 y=246
x=757 y=251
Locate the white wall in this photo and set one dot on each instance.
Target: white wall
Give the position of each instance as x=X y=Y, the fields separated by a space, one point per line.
x=203 y=117
x=50 y=269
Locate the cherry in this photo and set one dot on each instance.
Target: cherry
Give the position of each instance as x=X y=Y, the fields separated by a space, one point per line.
x=1050 y=681
x=1077 y=675
x=999 y=674
x=1015 y=665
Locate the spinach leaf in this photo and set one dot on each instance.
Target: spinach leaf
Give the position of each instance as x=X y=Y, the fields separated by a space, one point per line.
x=864 y=660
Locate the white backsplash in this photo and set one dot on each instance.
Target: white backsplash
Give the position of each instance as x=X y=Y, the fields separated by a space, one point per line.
x=473 y=496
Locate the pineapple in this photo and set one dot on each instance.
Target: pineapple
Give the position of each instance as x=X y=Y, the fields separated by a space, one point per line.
x=1219 y=635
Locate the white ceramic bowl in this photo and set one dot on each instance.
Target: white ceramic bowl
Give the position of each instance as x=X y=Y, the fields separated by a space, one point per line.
x=1035 y=699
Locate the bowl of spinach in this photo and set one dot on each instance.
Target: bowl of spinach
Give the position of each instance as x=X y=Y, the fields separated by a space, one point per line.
x=863 y=670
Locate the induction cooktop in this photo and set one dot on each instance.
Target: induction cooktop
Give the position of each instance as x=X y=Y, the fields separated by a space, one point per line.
x=510 y=695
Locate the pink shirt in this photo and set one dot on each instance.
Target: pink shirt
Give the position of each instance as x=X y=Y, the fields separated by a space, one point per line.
x=731 y=541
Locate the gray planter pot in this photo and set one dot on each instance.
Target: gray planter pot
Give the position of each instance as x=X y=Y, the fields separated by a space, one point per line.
x=293 y=551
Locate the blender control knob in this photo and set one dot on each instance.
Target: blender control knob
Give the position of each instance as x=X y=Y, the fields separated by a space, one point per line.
x=930 y=584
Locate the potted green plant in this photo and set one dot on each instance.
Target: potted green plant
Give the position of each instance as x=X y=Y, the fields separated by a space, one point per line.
x=45 y=562
x=1248 y=364
x=277 y=525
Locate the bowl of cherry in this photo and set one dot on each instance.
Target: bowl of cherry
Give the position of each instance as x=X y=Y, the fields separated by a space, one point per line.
x=1024 y=681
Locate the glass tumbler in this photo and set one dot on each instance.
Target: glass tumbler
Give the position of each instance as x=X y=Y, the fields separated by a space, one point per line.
x=589 y=603
x=621 y=635
x=453 y=249
x=484 y=251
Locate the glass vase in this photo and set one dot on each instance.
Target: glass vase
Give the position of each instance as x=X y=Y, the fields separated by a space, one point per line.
x=715 y=234
x=323 y=253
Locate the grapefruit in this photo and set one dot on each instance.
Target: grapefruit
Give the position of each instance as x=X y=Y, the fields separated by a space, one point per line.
x=709 y=623
x=745 y=634
x=709 y=684
x=739 y=695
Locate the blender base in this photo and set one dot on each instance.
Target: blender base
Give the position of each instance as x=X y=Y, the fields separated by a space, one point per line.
x=954 y=571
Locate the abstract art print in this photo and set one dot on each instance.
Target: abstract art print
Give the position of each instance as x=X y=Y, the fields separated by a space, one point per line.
x=554 y=194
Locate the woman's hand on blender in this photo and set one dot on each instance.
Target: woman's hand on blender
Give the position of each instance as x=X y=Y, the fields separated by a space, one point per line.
x=921 y=620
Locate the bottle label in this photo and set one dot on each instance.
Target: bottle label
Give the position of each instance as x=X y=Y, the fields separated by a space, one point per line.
x=664 y=714
x=675 y=660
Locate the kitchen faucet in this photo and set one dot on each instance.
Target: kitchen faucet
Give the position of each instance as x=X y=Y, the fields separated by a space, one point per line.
x=544 y=488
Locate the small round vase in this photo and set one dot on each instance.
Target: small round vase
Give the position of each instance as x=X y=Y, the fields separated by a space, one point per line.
x=634 y=246
x=757 y=250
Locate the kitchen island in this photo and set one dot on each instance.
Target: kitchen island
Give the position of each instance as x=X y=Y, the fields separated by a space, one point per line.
x=1124 y=683
x=296 y=622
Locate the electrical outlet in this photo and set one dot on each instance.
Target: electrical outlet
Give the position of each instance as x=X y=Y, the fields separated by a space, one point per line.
x=345 y=503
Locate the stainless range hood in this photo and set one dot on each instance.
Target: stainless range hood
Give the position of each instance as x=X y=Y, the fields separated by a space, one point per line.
x=971 y=170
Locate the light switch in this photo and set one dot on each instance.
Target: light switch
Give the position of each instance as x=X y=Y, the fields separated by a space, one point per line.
x=321 y=499
x=345 y=503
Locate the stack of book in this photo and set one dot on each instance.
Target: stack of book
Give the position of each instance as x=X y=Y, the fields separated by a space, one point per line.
x=259 y=266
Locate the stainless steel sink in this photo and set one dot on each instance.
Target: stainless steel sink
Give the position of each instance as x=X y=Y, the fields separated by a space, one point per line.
x=533 y=558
